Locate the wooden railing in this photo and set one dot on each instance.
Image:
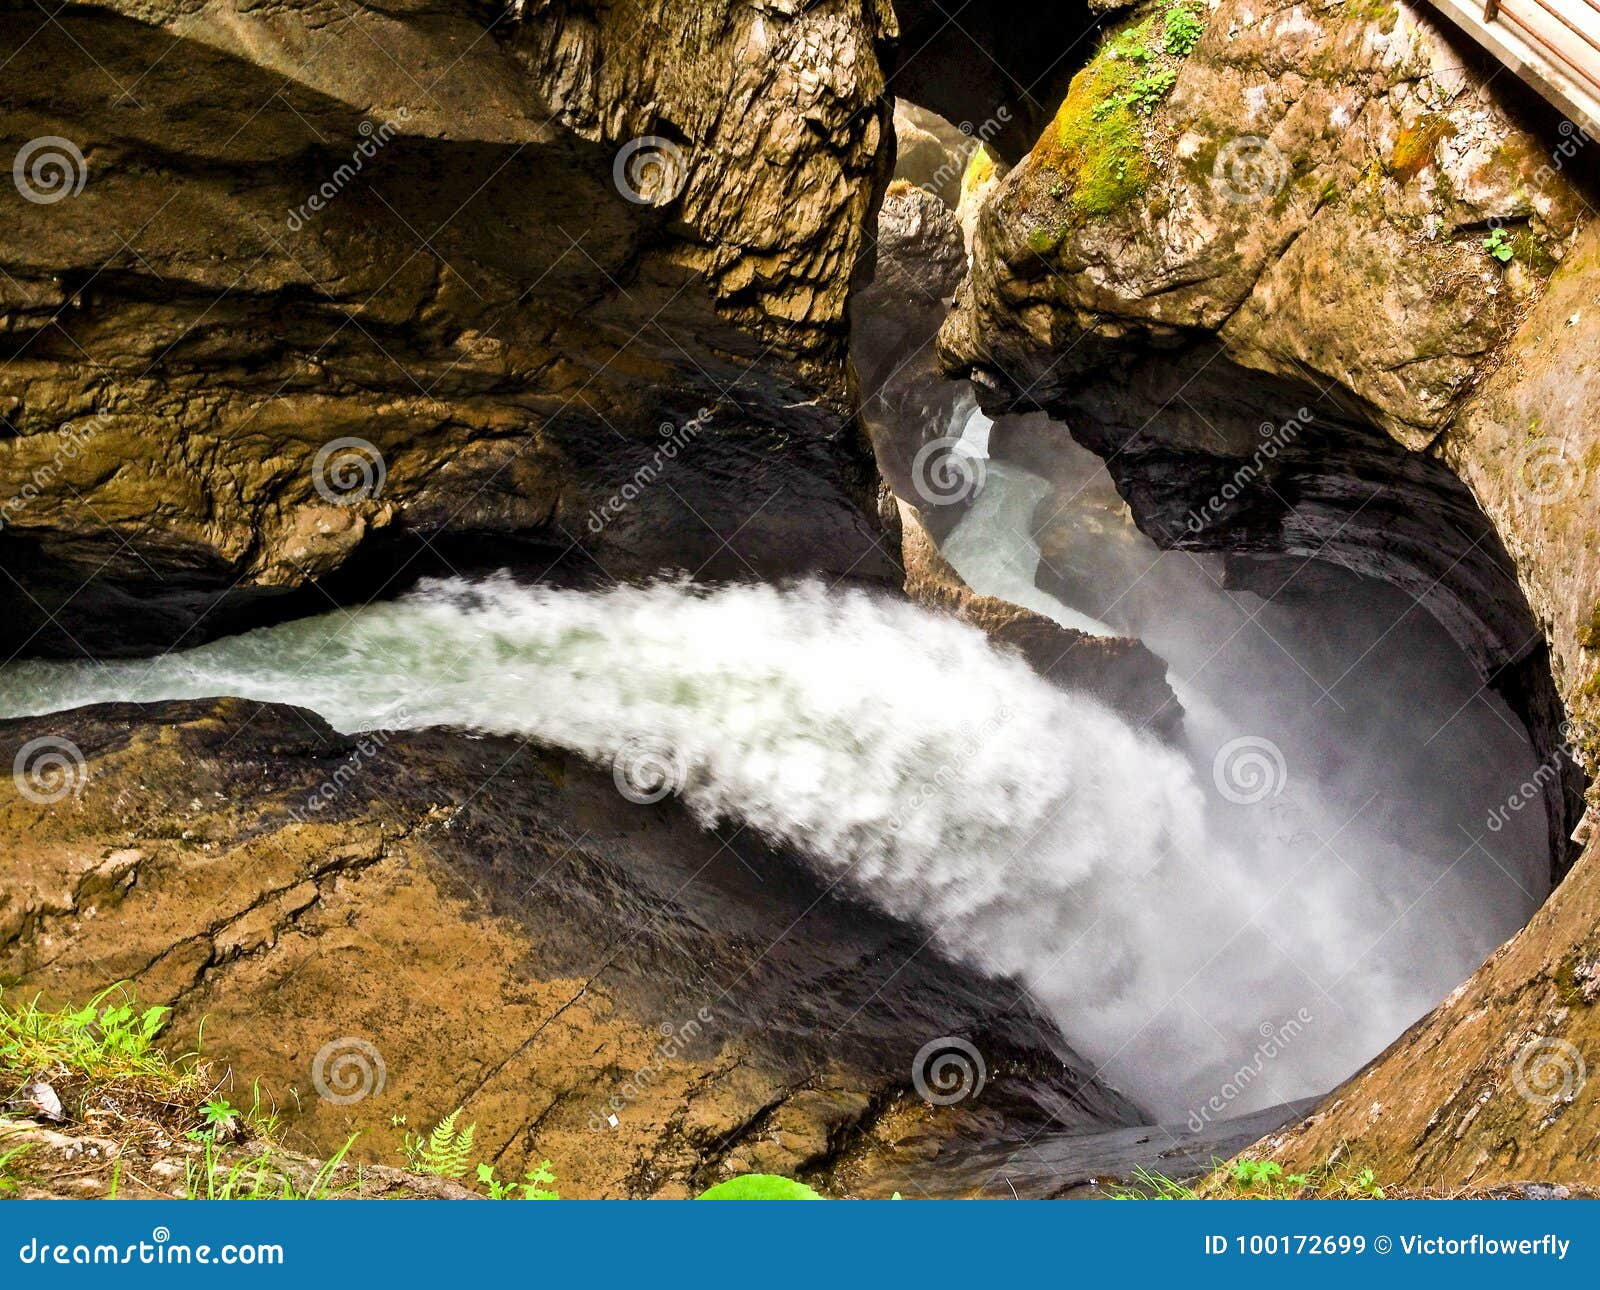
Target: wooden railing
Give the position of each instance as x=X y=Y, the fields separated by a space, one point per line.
x=1553 y=45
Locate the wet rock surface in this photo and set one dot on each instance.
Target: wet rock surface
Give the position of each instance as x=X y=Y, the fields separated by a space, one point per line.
x=433 y=244
x=910 y=408
x=1119 y=671
x=1280 y=324
x=500 y=928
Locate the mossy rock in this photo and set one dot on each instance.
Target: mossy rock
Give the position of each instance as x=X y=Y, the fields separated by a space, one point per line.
x=1416 y=145
x=980 y=170
x=1098 y=143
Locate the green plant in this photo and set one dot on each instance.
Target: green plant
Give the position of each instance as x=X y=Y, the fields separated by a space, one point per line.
x=1256 y=1173
x=1364 y=1185
x=1146 y=93
x=1498 y=244
x=8 y=1175
x=109 y=1045
x=1181 y=30
x=218 y=1115
x=534 y=1184
x=1148 y=1185
x=262 y=1119
x=445 y=1152
x=119 y=1028
x=760 y=1187
x=1250 y=1179
x=261 y=1177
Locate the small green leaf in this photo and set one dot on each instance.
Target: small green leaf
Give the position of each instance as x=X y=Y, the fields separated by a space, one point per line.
x=760 y=1187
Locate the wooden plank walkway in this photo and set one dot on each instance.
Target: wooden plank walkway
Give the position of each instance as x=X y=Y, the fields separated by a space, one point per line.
x=1553 y=45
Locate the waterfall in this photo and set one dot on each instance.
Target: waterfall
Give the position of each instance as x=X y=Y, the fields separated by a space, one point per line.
x=1027 y=829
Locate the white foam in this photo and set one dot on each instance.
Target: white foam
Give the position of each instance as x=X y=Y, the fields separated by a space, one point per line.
x=1029 y=830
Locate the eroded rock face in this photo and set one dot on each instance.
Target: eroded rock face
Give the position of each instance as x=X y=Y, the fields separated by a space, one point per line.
x=1122 y=673
x=484 y=923
x=1279 y=322
x=410 y=235
x=1512 y=1054
x=1265 y=301
x=909 y=408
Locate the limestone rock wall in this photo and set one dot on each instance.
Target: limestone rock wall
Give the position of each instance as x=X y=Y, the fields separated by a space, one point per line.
x=1272 y=301
x=1253 y=275
x=427 y=236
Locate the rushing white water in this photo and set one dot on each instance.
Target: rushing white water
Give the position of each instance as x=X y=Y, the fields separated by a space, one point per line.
x=1028 y=829
x=1368 y=874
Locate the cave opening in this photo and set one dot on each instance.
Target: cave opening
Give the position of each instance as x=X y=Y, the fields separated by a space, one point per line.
x=1366 y=695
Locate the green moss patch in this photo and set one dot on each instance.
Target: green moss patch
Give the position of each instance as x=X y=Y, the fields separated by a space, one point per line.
x=1093 y=156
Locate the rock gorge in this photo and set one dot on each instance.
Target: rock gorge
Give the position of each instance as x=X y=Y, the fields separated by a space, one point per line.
x=516 y=319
